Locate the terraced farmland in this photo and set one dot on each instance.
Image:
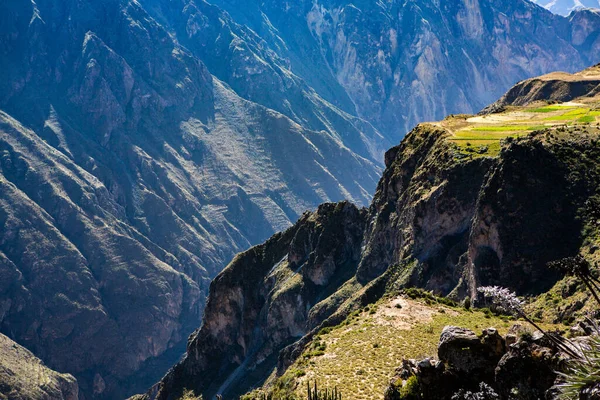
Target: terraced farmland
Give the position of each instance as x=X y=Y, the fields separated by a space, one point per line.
x=481 y=136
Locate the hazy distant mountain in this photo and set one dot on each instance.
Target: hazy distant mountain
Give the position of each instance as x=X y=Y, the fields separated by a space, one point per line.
x=129 y=176
x=403 y=62
x=565 y=7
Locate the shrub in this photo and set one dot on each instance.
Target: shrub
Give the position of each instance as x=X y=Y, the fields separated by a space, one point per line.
x=411 y=389
x=582 y=379
x=189 y=395
x=467 y=303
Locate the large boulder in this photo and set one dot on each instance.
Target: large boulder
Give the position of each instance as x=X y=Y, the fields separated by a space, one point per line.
x=472 y=358
x=527 y=370
x=483 y=367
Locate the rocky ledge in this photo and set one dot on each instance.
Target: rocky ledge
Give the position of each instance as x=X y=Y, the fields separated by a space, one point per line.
x=518 y=365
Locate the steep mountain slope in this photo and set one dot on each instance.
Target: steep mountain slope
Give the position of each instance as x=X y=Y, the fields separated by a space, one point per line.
x=585 y=28
x=465 y=202
x=257 y=71
x=129 y=177
x=565 y=7
x=557 y=87
x=143 y=144
x=428 y=58
x=23 y=376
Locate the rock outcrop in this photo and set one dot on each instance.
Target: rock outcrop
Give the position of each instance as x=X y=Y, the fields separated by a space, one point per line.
x=469 y=363
x=441 y=220
x=559 y=87
x=268 y=297
x=25 y=377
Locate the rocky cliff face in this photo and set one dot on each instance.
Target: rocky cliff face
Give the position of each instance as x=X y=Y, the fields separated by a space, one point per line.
x=428 y=58
x=268 y=297
x=130 y=176
x=23 y=376
x=443 y=218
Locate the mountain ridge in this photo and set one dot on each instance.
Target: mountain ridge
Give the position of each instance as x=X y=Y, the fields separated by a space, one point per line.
x=146 y=186
x=144 y=144
x=566 y=7
x=465 y=202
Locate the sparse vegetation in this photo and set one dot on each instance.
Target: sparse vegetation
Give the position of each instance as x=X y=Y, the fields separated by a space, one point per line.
x=467 y=303
x=189 y=395
x=314 y=393
x=363 y=352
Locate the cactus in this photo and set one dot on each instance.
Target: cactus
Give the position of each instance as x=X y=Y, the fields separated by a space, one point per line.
x=323 y=394
x=313 y=393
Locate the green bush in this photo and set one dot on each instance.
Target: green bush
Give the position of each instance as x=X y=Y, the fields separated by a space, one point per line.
x=467 y=303
x=411 y=390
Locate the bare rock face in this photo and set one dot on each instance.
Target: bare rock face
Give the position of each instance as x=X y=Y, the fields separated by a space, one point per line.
x=129 y=176
x=428 y=58
x=423 y=209
x=25 y=377
x=470 y=355
x=481 y=221
x=528 y=369
x=264 y=300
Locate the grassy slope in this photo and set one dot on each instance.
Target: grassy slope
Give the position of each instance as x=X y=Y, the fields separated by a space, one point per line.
x=360 y=355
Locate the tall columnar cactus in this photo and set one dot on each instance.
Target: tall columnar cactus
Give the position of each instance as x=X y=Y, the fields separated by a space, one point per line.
x=323 y=394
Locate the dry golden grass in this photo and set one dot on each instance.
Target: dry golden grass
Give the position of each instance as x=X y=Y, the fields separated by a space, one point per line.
x=361 y=355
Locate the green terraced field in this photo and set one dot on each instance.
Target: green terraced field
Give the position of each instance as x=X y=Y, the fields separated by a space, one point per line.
x=506 y=128
x=570 y=115
x=587 y=119
x=480 y=136
x=549 y=109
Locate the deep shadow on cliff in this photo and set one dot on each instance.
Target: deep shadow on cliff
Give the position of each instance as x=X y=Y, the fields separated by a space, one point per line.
x=442 y=219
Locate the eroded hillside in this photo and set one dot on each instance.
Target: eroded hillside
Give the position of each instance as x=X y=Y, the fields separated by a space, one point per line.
x=465 y=202
x=24 y=376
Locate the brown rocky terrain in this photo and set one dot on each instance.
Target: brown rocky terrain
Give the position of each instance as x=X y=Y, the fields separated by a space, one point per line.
x=554 y=87
x=24 y=376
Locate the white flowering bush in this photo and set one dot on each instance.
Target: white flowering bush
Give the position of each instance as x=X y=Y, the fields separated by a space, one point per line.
x=504 y=298
x=582 y=378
